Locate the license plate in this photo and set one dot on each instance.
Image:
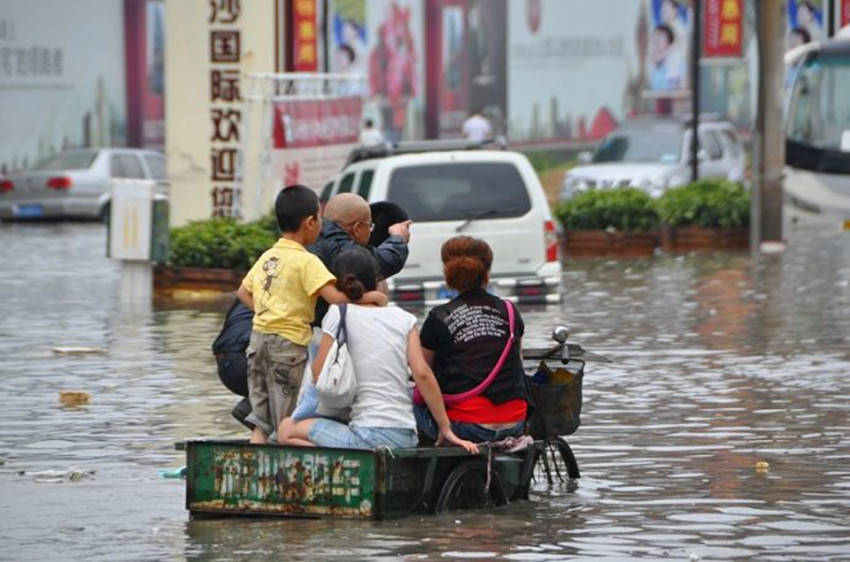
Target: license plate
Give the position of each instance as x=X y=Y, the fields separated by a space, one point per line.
x=28 y=211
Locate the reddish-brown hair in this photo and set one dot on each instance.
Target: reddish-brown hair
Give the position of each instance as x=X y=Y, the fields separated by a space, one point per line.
x=466 y=262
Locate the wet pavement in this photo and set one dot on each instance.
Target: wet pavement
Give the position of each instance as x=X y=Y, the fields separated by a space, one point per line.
x=722 y=430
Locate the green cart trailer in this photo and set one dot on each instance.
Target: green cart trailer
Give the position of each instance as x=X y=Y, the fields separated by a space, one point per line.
x=233 y=477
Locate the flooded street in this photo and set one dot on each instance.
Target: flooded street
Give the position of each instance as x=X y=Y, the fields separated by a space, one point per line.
x=721 y=431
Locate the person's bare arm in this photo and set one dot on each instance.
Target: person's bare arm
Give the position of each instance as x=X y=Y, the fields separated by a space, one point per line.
x=244 y=295
x=330 y=293
x=430 y=389
x=321 y=355
x=429 y=356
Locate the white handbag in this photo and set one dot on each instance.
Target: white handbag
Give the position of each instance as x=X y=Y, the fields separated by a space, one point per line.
x=337 y=382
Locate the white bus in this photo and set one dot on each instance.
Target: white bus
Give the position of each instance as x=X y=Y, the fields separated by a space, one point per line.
x=817 y=149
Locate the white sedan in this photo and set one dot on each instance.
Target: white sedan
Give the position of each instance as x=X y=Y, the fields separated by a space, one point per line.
x=653 y=154
x=75 y=183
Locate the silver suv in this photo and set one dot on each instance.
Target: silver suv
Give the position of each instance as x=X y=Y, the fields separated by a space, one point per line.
x=653 y=153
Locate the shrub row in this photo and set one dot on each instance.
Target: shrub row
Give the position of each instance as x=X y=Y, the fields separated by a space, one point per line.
x=221 y=242
x=707 y=203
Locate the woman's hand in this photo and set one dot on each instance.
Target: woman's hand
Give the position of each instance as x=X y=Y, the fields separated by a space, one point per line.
x=448 y=436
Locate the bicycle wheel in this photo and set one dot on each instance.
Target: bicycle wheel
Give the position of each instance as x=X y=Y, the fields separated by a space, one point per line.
x=464 y=488
x=555 y=461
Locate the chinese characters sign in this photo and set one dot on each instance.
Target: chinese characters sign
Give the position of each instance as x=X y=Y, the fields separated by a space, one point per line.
x=723 y=26
x=304 y=36
x=225 y=54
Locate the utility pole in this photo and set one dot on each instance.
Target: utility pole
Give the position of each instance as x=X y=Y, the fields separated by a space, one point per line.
x=696 y=51
x=769 y=146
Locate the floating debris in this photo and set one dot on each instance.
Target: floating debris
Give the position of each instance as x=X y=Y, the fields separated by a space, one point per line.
x=77 y=350
x=59 y=476
x=173 y=472
x=72 y=398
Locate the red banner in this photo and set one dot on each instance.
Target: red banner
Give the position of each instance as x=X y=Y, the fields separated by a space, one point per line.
x=307 y=123
x=844 y=13
x=722 y=28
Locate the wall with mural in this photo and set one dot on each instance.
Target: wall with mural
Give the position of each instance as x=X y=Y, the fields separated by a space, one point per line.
x=62 y=85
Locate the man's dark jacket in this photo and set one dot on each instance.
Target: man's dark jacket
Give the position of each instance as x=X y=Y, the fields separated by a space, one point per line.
x=391 y=255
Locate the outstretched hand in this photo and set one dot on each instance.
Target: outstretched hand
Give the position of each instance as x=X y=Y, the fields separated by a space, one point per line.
x=401 y=229
x=448 y=436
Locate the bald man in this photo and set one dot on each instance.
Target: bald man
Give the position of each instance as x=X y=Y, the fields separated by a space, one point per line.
x=347 y=221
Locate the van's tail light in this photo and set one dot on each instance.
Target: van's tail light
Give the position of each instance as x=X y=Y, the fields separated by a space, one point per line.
x=6 y=186
x=550 y=239
x=59 y=182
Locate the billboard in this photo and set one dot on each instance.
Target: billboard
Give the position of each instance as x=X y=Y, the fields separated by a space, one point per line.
x=595 y=68
x=383 y=40
x=62 y=85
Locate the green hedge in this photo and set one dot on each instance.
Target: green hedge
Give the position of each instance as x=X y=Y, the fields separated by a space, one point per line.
x=707 y=203
x=222 y=243
x=628 y=209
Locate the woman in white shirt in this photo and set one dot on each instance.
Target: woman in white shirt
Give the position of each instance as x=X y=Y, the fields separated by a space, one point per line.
x=382 y=342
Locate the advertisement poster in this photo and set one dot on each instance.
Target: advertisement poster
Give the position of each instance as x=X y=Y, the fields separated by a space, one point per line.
x=62 y=85
x=395 y=67
x=312 y=139
x=806 y=22
x=348 y=36
x=595 y=68
x=669 y=45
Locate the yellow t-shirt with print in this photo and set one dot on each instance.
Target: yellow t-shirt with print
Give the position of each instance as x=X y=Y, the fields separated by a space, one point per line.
x=284 y=284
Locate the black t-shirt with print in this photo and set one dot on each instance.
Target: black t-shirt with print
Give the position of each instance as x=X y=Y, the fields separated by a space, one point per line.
x=468 y=334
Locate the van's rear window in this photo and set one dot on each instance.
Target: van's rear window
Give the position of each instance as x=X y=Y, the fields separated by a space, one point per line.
x=458 y=191
x=72 y=160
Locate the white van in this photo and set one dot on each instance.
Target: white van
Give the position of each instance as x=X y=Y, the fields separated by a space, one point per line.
x=490 y=194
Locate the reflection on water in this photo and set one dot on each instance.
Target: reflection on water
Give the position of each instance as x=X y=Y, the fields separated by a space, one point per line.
x=722 y=364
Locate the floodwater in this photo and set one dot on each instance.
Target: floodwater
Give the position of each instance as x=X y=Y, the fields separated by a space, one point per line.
x=722 y=364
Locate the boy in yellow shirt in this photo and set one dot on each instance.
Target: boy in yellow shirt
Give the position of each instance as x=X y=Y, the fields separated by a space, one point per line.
x=281 y=288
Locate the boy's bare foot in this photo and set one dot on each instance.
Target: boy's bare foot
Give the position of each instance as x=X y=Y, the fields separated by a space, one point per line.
x=258 y=437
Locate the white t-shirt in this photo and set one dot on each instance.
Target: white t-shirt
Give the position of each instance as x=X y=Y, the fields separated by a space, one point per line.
x=377 y=343
x=476 y=128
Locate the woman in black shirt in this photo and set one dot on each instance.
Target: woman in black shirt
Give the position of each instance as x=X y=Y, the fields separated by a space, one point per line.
x=465 y=339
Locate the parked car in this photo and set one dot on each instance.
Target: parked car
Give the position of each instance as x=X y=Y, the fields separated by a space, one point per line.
x=653 y=153
x=75 y=183
x=447 y=190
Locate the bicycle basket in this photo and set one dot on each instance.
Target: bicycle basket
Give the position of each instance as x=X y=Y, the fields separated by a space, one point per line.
x=557 y=407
